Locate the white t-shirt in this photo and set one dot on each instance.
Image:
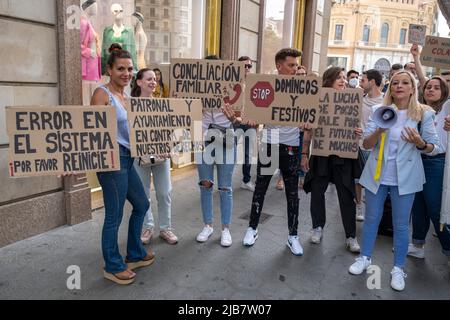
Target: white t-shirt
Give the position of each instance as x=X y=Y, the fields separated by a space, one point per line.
x=389 y=176
x=289 y=136
x=214 y=117
x=367 y=108
x=439 y=122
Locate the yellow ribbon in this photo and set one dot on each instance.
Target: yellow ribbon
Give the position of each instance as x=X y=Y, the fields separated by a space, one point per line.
x=380 y=158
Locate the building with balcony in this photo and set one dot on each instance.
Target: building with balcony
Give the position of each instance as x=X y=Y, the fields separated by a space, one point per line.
x=374 y=33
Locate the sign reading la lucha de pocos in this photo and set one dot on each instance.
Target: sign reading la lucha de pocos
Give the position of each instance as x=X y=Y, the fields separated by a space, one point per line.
x=61 y=139
x=339 y=116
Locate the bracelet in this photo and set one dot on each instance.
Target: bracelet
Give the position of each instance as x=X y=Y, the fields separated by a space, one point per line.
x=305 y=154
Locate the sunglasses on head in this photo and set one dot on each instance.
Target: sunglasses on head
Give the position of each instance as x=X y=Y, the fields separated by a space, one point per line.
x=248 y=66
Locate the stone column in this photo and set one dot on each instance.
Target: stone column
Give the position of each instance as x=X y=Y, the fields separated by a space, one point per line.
x=230 y=29
x=77 y=194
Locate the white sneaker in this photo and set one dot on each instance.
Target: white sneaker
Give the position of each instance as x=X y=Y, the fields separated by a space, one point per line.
x=250 y=237
x=416 y=252
x=316 y=235
x=226 y=240
x=398 y=279
x=294 y=244
x=361 y=264
x=205 y=234
x=359 y=212
x=352 y=245
x=248 y=186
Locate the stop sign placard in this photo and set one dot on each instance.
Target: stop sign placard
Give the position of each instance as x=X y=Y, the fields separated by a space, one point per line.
x=262 y=94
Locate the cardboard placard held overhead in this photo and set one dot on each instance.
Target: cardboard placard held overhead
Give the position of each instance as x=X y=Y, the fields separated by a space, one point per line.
x=215 y=82
x=282 y=100
x=436 y=52
x=159 y=125
x=339 y=116
x=60 y=139
x=417 y=34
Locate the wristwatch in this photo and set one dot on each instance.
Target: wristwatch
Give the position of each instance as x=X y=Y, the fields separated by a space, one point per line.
x=424 y=146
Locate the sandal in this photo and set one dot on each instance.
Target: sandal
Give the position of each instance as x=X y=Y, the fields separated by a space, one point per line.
x=123 y=278
x=146 y=261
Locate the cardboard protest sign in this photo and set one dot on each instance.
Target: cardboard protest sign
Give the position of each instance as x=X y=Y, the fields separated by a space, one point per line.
x=282 y=100
x=215 y=82
x=436 y=52
x=55 y=140
x=156 y=125
x=416 y=34
x=339 y=116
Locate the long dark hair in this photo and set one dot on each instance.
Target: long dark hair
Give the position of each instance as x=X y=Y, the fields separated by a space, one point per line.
x=444 y=92
x=161 y=83
x=135 y=89
x=330 y=76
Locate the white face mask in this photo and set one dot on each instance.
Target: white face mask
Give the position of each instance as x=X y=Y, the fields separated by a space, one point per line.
x=353 y=83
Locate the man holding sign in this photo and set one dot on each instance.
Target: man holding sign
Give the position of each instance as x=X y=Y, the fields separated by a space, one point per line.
x=279 y=143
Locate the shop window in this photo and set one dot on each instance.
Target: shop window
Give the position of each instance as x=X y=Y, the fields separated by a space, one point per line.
x=278 y=31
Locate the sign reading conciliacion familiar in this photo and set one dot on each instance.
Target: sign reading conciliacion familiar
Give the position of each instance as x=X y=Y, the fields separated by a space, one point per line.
x=215 y=82
x=156 y=125
x=339 y=116
x=282 y=100
x=61 y=139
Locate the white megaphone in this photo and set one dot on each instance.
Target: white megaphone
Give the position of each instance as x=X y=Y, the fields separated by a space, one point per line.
x=385 y=117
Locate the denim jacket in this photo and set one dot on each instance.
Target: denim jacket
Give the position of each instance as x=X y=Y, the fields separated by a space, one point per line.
x=410 y=172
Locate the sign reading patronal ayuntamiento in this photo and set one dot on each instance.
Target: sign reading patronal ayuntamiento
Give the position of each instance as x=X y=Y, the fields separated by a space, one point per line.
x=158 y=125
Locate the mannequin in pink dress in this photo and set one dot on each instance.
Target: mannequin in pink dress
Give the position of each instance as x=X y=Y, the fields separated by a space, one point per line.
x=90 y=48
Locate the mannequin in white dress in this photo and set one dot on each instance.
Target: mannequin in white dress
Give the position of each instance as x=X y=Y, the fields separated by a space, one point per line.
x=141 y=39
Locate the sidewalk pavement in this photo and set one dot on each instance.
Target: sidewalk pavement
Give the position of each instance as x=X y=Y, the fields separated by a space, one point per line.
x=36 y=268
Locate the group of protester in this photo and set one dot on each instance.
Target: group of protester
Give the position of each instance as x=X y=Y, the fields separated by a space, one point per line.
x=406 y=162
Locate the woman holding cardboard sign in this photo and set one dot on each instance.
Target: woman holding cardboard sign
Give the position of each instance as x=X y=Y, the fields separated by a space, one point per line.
x=427 y=203
x=323 y=170
x=122 y=185
x=158 y=167
x=395 y=167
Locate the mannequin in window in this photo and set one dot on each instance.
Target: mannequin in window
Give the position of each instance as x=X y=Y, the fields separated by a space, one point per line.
x=141 y=39
x=118 y=33
x=90 y=45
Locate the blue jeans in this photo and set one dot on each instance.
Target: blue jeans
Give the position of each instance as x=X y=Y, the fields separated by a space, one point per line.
x=119 y=186
x=401 y=209
x=224 y=177
x=427 y=204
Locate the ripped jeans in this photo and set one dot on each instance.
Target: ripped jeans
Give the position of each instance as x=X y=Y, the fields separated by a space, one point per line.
x=289 y=163
x=224 y=182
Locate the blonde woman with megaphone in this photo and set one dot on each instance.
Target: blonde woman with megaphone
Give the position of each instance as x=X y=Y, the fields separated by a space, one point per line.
x=395 y=167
